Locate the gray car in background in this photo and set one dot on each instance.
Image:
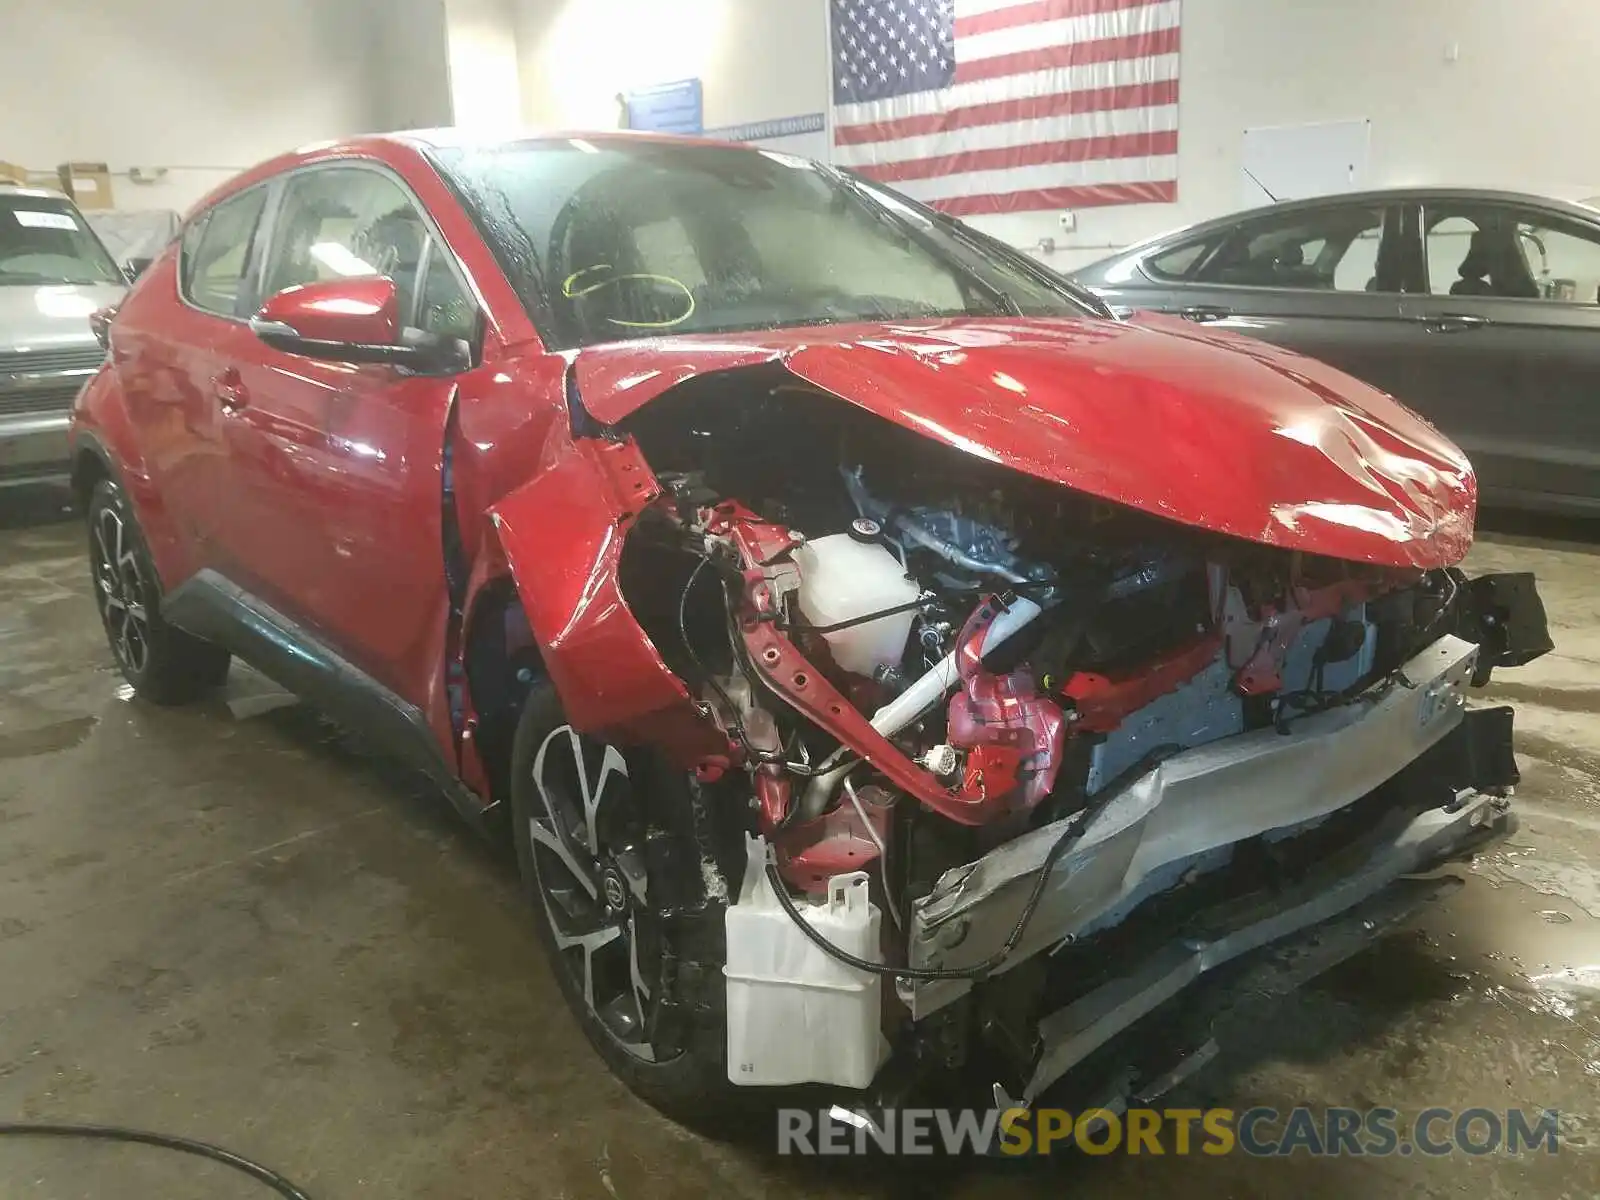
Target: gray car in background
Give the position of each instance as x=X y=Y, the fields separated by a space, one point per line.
x=54 y=273
x=1478 y=309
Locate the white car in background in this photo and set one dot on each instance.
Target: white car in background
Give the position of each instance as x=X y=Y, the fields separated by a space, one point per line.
x=54 y=273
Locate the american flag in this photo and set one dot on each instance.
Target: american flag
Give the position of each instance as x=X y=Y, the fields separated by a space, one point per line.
x=994 y=106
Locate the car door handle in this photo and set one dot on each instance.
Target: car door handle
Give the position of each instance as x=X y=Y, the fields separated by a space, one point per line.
x=1202 y=313
x=229 y=390
x=1452 y=322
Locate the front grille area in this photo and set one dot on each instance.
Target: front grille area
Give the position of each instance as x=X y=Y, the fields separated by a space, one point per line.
x=52 y=399
x=49 y=362
x=45 y=381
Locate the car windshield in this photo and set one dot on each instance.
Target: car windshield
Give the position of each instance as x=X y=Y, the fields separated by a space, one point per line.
x=44 y=241
x=612 y=239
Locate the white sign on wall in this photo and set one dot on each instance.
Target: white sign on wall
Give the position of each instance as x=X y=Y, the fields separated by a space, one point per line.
x=805 y=135
x=1292 y=162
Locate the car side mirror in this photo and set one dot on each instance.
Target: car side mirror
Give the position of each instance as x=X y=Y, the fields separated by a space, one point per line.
x=354 y=321
x=135 y=267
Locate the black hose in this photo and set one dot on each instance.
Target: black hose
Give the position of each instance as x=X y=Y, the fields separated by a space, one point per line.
x=166 y=1141
x=1062 y=844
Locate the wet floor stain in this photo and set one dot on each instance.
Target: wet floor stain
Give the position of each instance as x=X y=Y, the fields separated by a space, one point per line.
x=1558 y=753
x=1570 y=700
x=47 y=739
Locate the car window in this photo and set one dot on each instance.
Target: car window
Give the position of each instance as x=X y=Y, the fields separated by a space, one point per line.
x=1175 y=265
x=1520 y=254
x=445 y=309
x=216 y=254
x=668 y=248
x=1323 y=249
x=1565 y=260
x=1447 y=240
x=43 y=240
x=345 y=222
x=609 y=239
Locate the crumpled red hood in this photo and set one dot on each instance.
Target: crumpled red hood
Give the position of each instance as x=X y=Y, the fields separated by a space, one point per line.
x=1202 y=427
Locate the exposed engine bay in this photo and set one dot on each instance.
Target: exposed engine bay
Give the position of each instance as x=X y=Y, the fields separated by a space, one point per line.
x=1044 y=733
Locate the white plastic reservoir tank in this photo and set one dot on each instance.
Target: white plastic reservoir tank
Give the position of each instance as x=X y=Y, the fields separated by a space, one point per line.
x=842 y=579
x=795 y=1013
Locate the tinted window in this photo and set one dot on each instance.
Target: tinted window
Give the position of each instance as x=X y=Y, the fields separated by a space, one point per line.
x=1325 y=249
x=1175 y=264
x=44 y=240
x=606 y=240
x=216 y=254
x=444 y=307
x=1512 y=254
x=345 y=222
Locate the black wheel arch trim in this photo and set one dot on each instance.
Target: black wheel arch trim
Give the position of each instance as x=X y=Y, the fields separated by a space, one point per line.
x=86 y=444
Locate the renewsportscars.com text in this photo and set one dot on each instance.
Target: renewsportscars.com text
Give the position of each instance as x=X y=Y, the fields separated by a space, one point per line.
x=1258 y=1132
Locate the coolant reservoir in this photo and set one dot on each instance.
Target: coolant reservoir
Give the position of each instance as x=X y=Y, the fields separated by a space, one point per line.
x=796 y=1014
x=842 y=579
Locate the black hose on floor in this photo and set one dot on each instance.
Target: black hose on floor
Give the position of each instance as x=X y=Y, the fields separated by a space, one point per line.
x=166 y=1141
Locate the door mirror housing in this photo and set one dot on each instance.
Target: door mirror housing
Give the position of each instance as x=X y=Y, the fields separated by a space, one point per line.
x=135 y=267
x=355 y=321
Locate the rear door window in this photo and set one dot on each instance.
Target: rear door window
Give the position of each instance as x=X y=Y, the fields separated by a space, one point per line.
x=1333 y=249
x=1177 y=264
x=217 y=251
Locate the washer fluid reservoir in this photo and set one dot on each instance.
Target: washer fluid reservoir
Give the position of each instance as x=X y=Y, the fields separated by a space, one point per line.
x=842 y=579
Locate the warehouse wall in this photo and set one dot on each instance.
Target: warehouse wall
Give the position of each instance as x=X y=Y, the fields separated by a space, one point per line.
x=411 y=66
x=485 y=89
x=759 y=59
x=197 y=86
x=203 y=88
x=1512 y=109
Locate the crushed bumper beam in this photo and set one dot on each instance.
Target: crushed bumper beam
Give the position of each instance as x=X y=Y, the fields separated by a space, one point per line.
x=1070 y=1034
x=1185 y=814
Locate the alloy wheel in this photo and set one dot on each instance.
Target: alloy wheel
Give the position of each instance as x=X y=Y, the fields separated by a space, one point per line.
x=121 y=591
x=592 y=879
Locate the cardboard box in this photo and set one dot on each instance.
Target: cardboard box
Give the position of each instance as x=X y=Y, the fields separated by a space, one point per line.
x=89 y=184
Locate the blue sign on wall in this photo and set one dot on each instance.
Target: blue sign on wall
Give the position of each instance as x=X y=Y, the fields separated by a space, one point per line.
x=667 y=107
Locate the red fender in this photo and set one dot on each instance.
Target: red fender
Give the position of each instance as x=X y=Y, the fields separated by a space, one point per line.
x=562 y=536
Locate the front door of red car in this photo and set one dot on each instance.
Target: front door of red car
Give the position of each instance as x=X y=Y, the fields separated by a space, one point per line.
x=335 y=468
x=166 y=358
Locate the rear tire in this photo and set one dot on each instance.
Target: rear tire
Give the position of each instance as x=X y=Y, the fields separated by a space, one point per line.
x=162 y=663
x=617 y=873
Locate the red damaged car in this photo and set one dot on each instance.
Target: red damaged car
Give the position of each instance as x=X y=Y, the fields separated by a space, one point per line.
x=887 y=662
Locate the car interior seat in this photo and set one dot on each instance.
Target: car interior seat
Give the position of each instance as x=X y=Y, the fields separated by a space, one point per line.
x=1494 y=266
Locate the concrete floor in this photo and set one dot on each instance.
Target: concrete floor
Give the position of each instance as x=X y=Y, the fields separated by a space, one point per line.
x=226 y=922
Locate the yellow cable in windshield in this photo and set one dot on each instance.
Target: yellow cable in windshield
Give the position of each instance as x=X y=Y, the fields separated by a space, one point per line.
x=568 y=291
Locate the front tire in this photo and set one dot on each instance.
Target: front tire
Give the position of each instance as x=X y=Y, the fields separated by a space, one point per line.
x=162 y=663
x=628 y=899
